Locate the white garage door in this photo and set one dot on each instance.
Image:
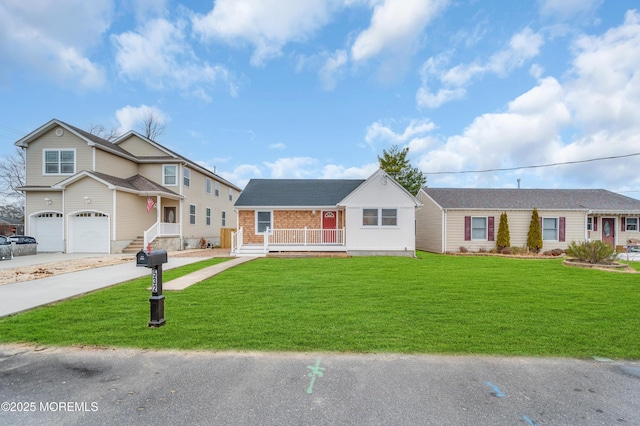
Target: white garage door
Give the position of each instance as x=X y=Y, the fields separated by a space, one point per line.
x=89 y=233
x=46 y=228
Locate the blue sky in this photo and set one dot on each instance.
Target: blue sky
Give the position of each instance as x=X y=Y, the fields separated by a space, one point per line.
x=318 y=88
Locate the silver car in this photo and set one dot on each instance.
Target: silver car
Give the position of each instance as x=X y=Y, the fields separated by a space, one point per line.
x=6 y=251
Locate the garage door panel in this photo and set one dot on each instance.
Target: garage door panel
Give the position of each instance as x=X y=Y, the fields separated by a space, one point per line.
x=89 y=233
x=47 y=229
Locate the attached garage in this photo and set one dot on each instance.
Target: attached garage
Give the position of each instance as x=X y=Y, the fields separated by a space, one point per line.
x=47 y=229
x=88 y=233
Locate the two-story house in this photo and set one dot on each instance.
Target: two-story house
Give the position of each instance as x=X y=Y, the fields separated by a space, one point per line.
x=85 y=194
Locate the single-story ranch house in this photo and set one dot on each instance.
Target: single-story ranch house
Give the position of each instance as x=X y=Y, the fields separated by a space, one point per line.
x=85 y=194
x=375 y=216
x=452 y=218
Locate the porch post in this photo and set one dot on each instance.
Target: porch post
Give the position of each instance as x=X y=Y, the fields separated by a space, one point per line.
x=266 y=240
x=305 y=235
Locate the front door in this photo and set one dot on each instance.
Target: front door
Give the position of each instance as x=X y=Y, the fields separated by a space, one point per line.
x=609 y=231
x=329 y=227
x=170 y=215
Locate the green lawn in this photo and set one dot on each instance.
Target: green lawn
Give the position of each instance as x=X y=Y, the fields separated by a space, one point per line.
x=433 y=304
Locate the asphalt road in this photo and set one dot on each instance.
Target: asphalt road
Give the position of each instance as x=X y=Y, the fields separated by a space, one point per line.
x=107 y=386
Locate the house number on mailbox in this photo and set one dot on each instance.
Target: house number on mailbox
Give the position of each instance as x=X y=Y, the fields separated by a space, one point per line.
x=154 y=280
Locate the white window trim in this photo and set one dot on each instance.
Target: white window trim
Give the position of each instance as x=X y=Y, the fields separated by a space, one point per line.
x=270 y=221
x=58 y=150
x=589 y=224
x=164 y=176
x=486 y=228
x=379 y=218
x=557 y=238
x=217 y=188
x=230 y=194
x=207 y=216
x=207 y=185
x=195 y=211
x=223 y=218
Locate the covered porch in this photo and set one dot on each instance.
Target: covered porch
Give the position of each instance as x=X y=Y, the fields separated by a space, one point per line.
x=289 y=240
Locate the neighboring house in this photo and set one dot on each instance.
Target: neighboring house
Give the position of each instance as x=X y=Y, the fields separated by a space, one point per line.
x=86 y=194
x=454 y=218
x=11 y=226
x=375 y=216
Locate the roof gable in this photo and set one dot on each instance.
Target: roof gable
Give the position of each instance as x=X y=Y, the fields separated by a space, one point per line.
x=380 y=187
x=527 y=199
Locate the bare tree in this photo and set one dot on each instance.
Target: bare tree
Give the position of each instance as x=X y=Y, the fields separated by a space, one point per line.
x=12 y=175
x=152 y=127
x=100 y=131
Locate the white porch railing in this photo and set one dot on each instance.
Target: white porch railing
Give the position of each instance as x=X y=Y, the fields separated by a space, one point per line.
x=160 y=229
x=236 y=240
x=304 y=237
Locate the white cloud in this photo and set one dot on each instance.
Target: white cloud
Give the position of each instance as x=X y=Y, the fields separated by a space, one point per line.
x=564 y=9
x=267 y=25
x=160 y=56
x=333 y=171
x=242 y=174
x=278 y=145
x=593 y=114
x=452 y=82
x=415 y=135
x=332 y=68
x=130 y=117
x=395 y=23
x=292 y=167
x=53 y=38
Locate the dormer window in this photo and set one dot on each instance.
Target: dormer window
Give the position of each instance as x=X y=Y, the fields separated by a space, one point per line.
x=59 y=162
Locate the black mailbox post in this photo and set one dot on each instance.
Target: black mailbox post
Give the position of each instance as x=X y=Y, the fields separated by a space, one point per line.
x=154 y=260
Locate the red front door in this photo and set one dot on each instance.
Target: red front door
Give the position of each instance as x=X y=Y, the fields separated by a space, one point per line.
x=609 y=231
x=329 y=227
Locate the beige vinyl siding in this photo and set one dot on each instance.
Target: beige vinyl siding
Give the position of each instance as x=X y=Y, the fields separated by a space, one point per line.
x=153 y=172
x=519 y=221
x=132 y=216
x=49 y=141
x=429 y=225
x=114 y=165
x=140 y=148
x=35 y=202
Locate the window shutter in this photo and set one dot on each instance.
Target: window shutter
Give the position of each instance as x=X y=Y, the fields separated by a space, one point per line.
x=562 y=226
x=490 y=228
x=467 y=228
x=623 y=224
x=595 y=223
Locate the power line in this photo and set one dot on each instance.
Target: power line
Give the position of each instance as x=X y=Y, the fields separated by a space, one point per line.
x=532 y=167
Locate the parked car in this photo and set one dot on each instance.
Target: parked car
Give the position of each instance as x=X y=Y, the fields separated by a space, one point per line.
x=6 y=251
x=22 y=239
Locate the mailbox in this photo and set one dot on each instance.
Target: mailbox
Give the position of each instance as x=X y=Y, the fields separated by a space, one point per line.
x=154 y=258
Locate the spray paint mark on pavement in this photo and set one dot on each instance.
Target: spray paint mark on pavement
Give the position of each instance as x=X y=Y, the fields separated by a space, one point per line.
x=496 y=390
x=316 y=371
x=528 y=420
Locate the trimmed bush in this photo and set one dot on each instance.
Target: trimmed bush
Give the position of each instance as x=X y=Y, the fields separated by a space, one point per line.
x=592 y=252
x=534 y=237
x=504 y=238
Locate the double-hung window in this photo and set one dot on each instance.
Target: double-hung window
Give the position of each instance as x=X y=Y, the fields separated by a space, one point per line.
x=192 y=214
x=230 y=194
x=589 y=224
x=478 y=228
x=264 y=220
x=187 y=177
x=379 y=217
x=208 y=185
x=224 y=219
x=550 y=228
x=631 y=224
x=169 y=175
x=217 y=189
x=59 y=162
x=207 y=216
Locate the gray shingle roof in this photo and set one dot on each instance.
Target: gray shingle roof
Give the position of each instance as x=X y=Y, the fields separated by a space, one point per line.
x=136 y=182
x=562 y=199
x=296 y=192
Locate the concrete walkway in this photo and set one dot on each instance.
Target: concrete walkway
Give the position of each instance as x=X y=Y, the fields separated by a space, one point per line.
x=27 y=295
x=195 y=277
